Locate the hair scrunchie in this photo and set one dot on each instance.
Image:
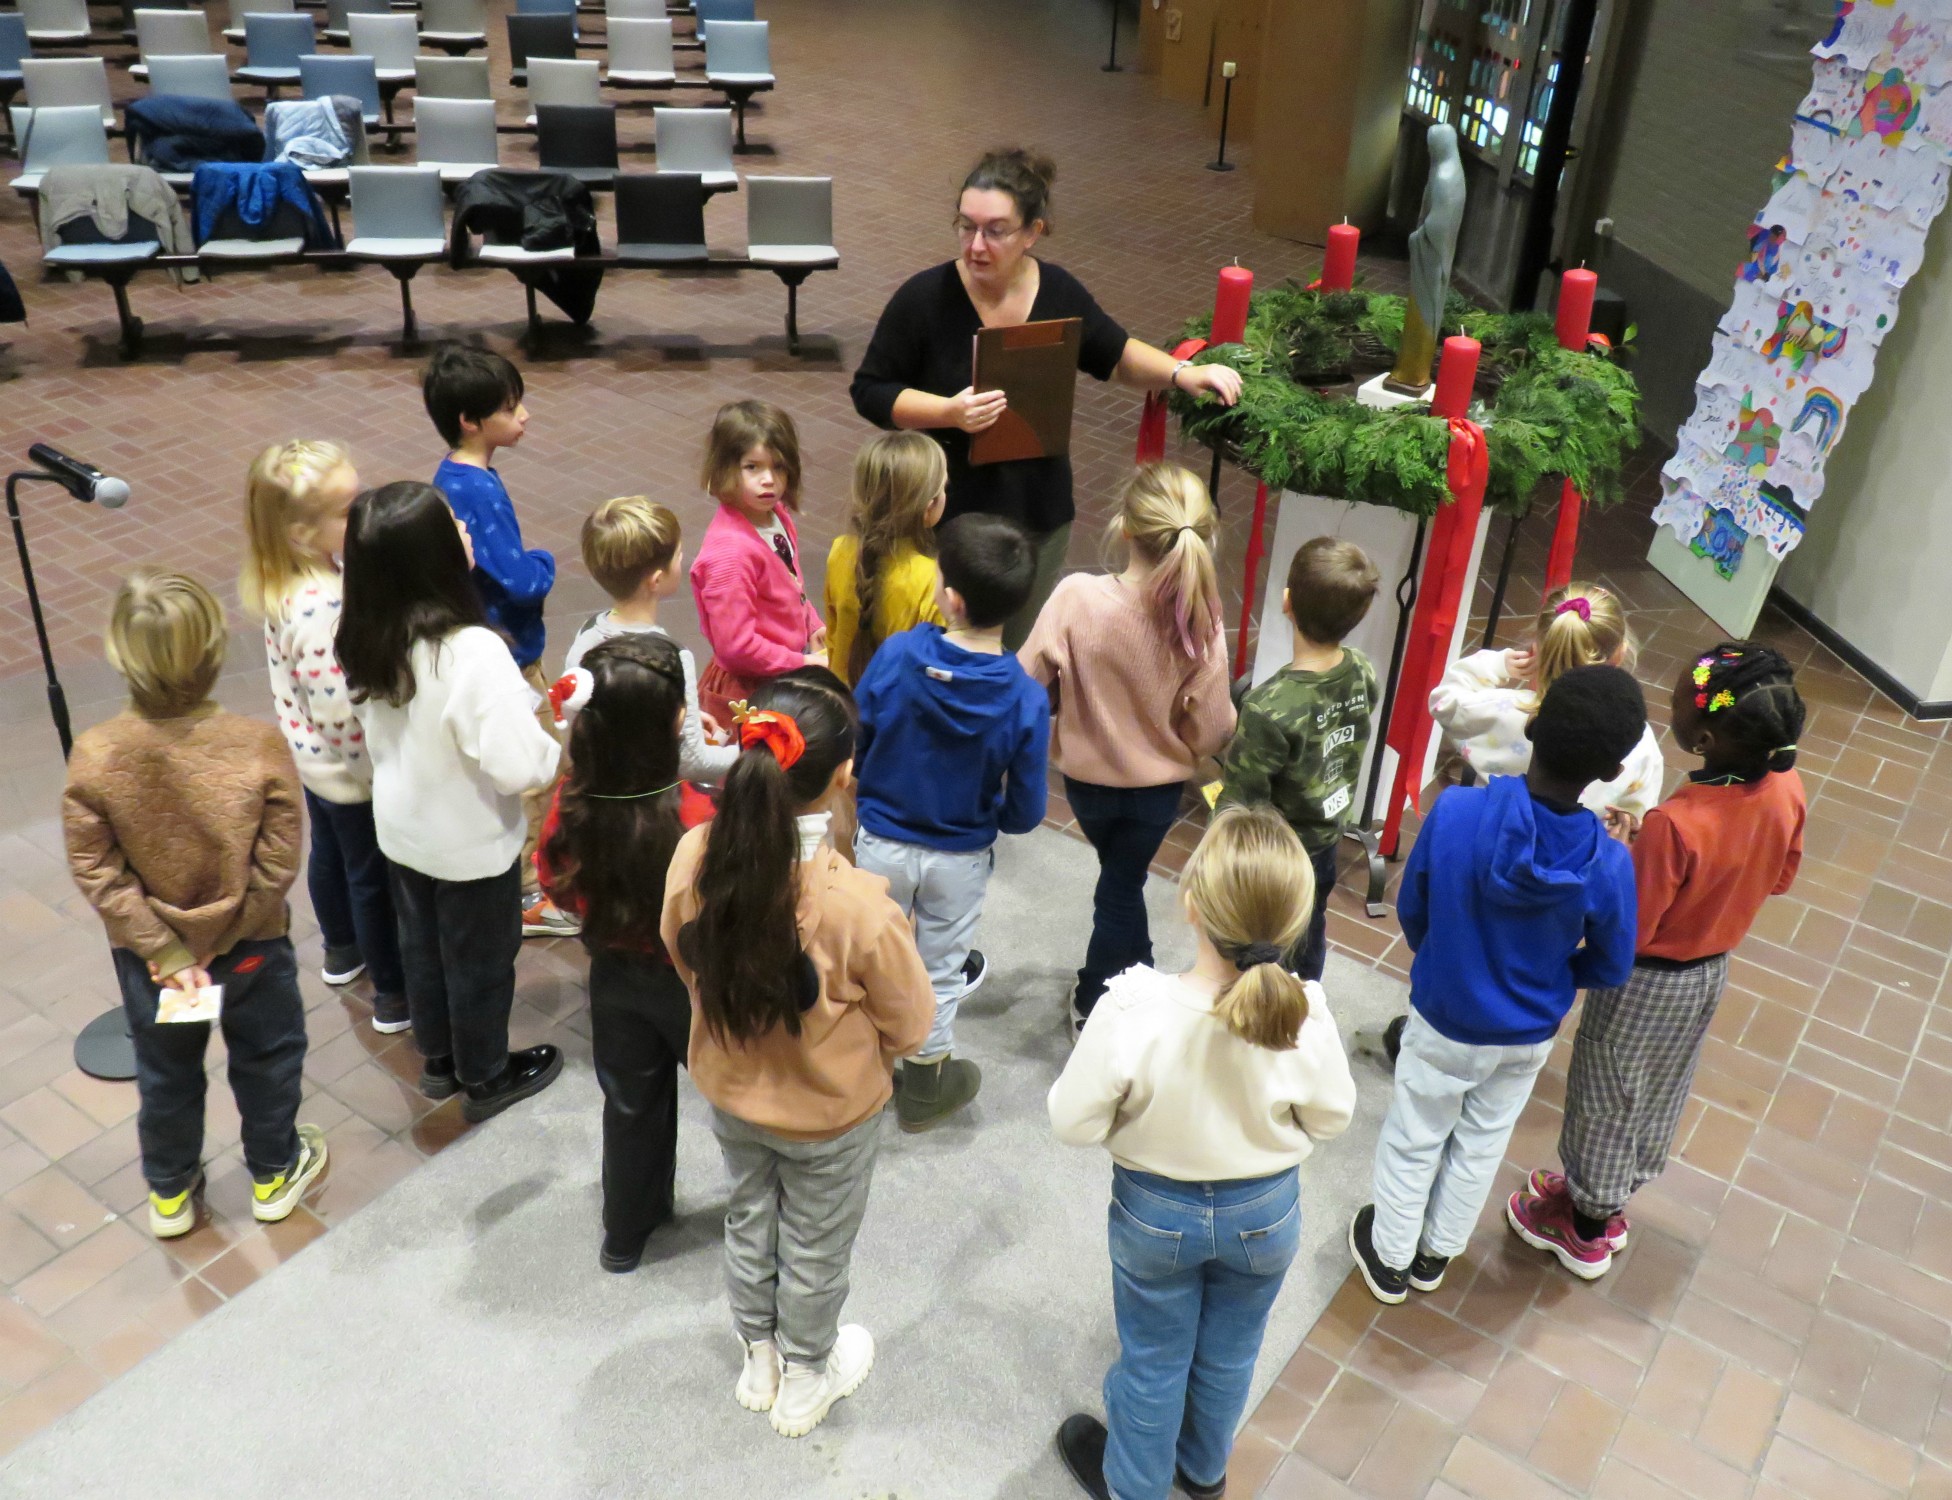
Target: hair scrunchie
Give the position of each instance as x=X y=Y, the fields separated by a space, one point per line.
x=1252 y=955
x=570 y=693
x=1579 y=605
x=776 y=731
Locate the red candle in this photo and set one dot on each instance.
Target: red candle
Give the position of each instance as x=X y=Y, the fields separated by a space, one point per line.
x=1230 y=305
x=1457 y=371
x=1339 y=263
x=1575 y=316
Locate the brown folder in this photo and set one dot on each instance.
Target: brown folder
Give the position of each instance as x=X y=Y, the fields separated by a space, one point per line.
x=1035 y=365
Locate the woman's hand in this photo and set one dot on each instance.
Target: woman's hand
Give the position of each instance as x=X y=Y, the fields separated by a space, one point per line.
x=973 y=410
x=1221 y=382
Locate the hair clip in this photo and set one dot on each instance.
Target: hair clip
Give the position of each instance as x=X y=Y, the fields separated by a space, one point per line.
x=778 y=732
x=570 y=693
x=1579 y=605
x=1783 y=750
x=1723 y=699
x=1702 y=670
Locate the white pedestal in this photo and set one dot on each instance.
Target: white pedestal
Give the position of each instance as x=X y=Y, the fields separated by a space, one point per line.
x=1387 y=535
x=1374 y=393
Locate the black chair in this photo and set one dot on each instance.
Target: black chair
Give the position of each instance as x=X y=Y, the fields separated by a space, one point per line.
x=580 y=139
x=538 y=36
x=660 y=219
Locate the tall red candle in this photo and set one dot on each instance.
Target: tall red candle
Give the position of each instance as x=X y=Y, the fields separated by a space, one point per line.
x=1339 y=262
x=1457 y=372
x=1575 y=316
x=1230 y=305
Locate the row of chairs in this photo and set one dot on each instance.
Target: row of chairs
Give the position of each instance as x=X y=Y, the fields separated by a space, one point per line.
x=66 y=23
x=400 y=225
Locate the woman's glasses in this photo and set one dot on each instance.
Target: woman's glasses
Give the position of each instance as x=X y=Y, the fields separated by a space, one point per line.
x=990 y=234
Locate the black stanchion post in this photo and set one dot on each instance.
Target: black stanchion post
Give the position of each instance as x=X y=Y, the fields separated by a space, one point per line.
x=1220 y=162
x=1111 y=63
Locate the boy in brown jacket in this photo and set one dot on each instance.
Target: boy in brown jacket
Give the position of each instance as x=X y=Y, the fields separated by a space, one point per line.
x=183 y=832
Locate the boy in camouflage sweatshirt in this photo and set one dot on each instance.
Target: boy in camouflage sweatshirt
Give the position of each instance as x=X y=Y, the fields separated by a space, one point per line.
x=1302 y=733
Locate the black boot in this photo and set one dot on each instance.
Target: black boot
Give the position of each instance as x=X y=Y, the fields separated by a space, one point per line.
x=437 y=1080
x=621 y=1253
x=527 y=1072
x=1081 y=1444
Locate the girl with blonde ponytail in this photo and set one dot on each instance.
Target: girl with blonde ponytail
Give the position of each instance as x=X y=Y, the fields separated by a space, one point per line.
x=881 y=575
x=1209 y=1088
x=1136 y=665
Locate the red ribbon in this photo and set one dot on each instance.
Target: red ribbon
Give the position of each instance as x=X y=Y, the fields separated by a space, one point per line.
x=1565 y=538
x=1453 y=534
x=1152 y=421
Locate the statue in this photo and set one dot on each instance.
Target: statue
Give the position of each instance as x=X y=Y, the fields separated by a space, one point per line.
x=1433 y=246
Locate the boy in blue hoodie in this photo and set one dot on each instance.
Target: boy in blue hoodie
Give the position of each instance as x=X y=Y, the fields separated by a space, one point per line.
x=1514 y=899
x=952 y=748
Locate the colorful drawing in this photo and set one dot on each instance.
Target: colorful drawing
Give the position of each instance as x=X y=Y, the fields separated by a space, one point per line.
x=1765 y=252
x=1720 y=541
x=1822 y=408
x=1888 y=111
x=1757 y=437
x=1844 y=8
x=1803 y=336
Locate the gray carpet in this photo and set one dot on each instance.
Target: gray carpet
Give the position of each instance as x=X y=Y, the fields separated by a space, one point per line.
x=456 y=1338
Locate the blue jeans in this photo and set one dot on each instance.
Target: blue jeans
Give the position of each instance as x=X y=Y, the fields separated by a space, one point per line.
x=1196 y=1267
x=1126 y=825
x=1309 y=956
x=347 y=878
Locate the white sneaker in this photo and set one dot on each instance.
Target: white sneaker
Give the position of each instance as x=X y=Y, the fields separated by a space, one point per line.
x=759 y=1377
x=807 y=1393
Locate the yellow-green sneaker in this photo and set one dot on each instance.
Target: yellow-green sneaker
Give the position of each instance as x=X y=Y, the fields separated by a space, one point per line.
x=273 y=1198
x=172 y=1217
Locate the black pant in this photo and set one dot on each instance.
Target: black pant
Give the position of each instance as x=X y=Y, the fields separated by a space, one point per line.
x=640 y=1030
x=1309 y=955
x=348 y=881
x=458 y=941
x=1126 y=825
x=263 y=1020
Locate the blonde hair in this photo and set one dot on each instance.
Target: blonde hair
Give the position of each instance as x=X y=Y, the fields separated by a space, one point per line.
x=627 y=539
x=1250 y=885
x=281 y=499
x=739 y=427
x=166 y=636
x=1569 y=637
x=896 y=479
x=1166 y=514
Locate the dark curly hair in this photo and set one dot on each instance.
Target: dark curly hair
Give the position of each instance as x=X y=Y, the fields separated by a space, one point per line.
x=1747 y=694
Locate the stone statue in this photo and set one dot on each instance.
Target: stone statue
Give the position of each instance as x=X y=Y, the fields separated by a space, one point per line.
x=1433 y=246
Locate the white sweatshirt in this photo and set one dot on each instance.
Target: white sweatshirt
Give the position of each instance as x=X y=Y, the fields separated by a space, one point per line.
x=449 y=768
x=314 y=712
x=1483 y=711
x=1161 y=1083
x=698 y=758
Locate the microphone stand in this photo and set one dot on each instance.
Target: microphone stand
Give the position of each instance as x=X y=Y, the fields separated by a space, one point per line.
x=104 y=1048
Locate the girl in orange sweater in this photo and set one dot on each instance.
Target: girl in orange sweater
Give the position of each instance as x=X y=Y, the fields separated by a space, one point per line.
x=805 y=988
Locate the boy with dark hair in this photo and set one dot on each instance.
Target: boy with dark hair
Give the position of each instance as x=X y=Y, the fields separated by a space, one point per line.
x=954 y=735
x=1300 y=739
x=474 y=397
x=1514 y=899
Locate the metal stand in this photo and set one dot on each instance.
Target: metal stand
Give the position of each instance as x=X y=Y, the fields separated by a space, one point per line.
x=1111 y=62
x=1220 y=163
x=1366 y=832
x=104 y=1049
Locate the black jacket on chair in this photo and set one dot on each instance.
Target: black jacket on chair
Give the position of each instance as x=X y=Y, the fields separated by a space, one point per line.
x=538 y=211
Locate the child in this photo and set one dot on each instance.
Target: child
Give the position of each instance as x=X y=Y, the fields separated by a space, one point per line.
x=1136 y=664
x=1302 y=733
x=295 y=518
x=606 y=845
x=1513 y=899
x=1485 y=699
x=748 y=582
x=633 y=548
x=182 y=828
x=1209 y=1088
x=805 y=986
x=451 y=727
x=475 y=400
x=1730 y=837
x=953 y=742
x=884 y=571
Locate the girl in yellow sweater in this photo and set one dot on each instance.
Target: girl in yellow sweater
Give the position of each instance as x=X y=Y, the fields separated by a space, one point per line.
x=881 y=575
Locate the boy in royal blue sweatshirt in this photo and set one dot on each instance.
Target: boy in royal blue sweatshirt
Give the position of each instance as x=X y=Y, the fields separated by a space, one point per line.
x=1514 y=899
x=954 y=736
x=474 y=397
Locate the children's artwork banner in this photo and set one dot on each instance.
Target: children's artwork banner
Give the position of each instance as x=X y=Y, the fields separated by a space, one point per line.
x=1830 y=252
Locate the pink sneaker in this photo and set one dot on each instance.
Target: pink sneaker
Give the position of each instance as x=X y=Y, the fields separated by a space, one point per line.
x=1547 y=1224
x=1544 y=1183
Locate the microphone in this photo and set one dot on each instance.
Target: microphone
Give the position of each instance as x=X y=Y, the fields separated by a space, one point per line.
x=84 y=481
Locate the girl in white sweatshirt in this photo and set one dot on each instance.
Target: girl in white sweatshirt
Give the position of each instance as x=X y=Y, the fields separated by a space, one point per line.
x=1487 y=698
x=1209 y=1088
x=451 y=729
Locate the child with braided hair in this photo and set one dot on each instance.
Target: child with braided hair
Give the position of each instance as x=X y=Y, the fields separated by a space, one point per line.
x=1730 y=837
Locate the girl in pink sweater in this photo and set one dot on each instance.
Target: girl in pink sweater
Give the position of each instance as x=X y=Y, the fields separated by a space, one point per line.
x=1136 y=664
x=748 y=580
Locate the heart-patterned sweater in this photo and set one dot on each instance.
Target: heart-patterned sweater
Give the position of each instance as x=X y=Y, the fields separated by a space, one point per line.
x=309 y=692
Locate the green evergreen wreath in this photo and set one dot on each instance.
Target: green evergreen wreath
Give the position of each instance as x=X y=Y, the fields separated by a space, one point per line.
x=1547 y=412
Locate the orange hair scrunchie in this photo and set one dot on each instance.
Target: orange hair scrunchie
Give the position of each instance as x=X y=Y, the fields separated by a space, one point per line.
x=776 y=731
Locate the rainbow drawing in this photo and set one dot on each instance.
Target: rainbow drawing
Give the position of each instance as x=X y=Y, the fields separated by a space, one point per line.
x=1824 y=409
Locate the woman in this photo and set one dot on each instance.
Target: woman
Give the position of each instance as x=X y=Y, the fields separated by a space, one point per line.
x=916 y=372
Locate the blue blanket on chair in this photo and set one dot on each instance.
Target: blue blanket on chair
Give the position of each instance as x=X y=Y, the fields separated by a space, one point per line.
x=176 y=133
x=256 y=192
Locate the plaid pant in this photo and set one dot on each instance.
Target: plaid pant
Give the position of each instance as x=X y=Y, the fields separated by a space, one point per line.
x=1632 y=1064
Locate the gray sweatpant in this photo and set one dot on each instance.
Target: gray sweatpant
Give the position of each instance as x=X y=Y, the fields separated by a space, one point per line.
x=942 y=893
x=795 y=1209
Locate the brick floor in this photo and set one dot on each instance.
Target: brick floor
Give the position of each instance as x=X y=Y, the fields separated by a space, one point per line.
x=1781 y=1322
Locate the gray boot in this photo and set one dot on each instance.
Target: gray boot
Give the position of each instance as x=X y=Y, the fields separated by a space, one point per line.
x=927 y=1093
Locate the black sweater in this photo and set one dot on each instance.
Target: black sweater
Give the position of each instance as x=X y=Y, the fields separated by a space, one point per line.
x=925 y=341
